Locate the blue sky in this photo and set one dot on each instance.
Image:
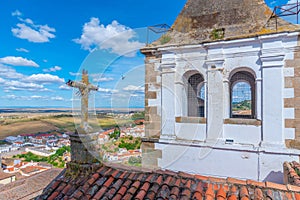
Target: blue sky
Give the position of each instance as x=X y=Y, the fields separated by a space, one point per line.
x=45 y=43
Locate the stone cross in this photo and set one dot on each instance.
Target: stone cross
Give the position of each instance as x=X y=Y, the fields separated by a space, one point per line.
x=84 y=88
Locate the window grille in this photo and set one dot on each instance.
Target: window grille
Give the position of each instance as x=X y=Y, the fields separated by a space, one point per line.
x=242 y=95
x=195 y=96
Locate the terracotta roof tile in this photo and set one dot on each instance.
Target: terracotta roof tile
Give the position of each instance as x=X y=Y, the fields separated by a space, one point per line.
x=215 y=187
x=102 y=170
x=77 y=194
x=293 y=188
x=100 y=181
x=276 y=186
x=115 y=173
x=131 y=176
x=108 y=182
x=297 y=196
x=66 y=189
x=127 y=183
x=209 y=192
x=258 y=195
x=124 y=175
x=221 y=194
x=177 y=182
x=150 y=195
x=92 y=191
x=141 y=194
x=53 y=195
x=255 y=183
x=175 y=191
x=236 y=181
x=197 y=195
x=141 y=177
x=145 y=186
x=119 y=183
x=186 y=192
x=127 y=196
x=159 y=180
x=134 y=187
x=122 y=190
x=164 y=192
x=216 y=180
x=55 y=184
x=100 y=193
x=289 y=195
x=136 y=184
x=110 y=194
x=204 y=178
x=117 y=197
x=96 y=176
x=186 y=175
x=244 y=194
x=168 y=180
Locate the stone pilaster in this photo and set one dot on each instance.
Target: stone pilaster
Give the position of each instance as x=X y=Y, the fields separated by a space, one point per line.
x=272 y=99
x=292 y=102
x=152 y=108
x=215 y=99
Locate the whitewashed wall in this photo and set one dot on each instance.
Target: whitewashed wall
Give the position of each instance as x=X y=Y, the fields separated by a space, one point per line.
x=257 y=150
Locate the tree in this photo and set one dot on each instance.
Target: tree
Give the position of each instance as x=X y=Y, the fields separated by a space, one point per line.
x=116 y=133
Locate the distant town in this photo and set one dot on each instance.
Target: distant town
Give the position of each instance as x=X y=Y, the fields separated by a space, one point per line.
x=25 y=153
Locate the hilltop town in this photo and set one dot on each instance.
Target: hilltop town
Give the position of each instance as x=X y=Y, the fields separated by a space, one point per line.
x=27 y=155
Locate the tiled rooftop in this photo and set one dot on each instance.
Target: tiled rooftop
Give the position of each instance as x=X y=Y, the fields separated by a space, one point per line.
x=291 y=173
x=28 y=188
x=117 y=182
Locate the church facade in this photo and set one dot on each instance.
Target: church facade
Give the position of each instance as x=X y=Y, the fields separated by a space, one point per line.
x=223 y=94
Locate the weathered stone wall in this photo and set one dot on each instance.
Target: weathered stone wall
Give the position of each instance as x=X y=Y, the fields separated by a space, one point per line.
x=152 y=110
x=203 y=21
x=292 y=102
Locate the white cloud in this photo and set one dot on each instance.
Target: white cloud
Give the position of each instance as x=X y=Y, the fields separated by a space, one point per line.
x=37 y=34
x=134 y=88
x=36 y=97
x=74 y=73
x=103 y=79
x=64 y=87
x=115 y=37
x=16 y=13
x=44 y=78
x=18 y=61
x=10 y=73
x=13 y=81
x=28 y=21
x=107 y=90
x=22 y=50
x=57 y=98
x=26 y=98
x=32 y=32
x=21 y=86
x=52 y=69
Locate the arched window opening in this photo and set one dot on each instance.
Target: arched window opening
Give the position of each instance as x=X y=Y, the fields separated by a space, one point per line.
x=196 y=96
x=242 y=95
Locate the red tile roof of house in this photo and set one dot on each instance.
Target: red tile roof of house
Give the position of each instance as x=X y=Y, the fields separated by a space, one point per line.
x=116 y=182
x=30 y=187
x=32 y=169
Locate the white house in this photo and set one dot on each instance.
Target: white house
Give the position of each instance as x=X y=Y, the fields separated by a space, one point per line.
x=222 y=92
